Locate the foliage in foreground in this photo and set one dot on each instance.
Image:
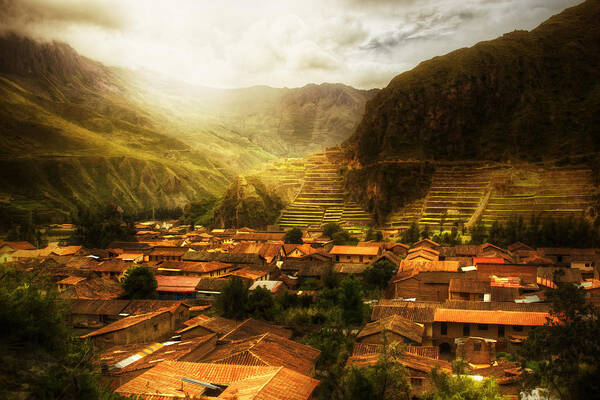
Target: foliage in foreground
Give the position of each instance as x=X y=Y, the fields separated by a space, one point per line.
x=40 y=356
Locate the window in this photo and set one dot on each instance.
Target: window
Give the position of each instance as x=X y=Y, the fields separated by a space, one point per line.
x=517 y=328
x=466 y=330
x=416 y=381
x=155 y=326
x=501 y=331
x=444 y=328
x=476 y=346
x=482 y=327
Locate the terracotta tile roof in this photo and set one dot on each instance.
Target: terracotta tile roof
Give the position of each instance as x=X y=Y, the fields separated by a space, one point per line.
x=97 y=307
x=212 y=284
x=421 y=254
x=228 y=258
x=490 y=317
x=197 y=319
x=391 y=257
x=271 y=286
x=571 y=275
x=267 y=250
x=407 y=359
x=165 y=378
x=18 y=245
x=192 y=266
x=118 y=266
x=71 y=280
x=94 y=289
x=354 y=250
x=591 y=284
x=125 y=323
x=427 y=243
x=451 y=266
x=364 y=349
x=305 y=248
x=266 y=349
x=396 y=324
x=177 y=284
x=122 y=359
x=508 y=294
x=423 y=249
x=350 y=268
x=527 y=273
x=145 y=306
x=217 y=325
x=488 y=260
x=167 y=251
x=254 y=327
x=67 y=250
x=249 y=273
x=458 y=285
x=519 y=246
x=259 y=236
x=413 y=311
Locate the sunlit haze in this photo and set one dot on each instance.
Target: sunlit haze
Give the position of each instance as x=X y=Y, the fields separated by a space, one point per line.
x=277 y=43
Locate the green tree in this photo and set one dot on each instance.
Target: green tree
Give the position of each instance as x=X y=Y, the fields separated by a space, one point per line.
x=353 y=308
x=41 y=357
x=330 y=229
x=478 y=232
x=344 y=238
x=293 y=236
x=140 y=283
x=461 y=386
x=262 y=305
x=379 y=274
x=564 y=354
x=232 y=301
x=374 y=235
x=425 y=234
x=98 y=229
x=411 y=235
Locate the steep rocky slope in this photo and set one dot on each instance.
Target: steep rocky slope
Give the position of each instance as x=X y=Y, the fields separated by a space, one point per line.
x=526 y=96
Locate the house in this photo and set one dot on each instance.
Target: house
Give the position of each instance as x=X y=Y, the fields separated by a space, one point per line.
x=429 y=266
x=263 y=237
x=177 y=287
x=468 y=289
x=8 y=248
x=178 y=379
x=254 y=327
x=345 y=269
x=394 y=328
x=424 y=286
x=297 y=250
x=476 y=350
x=251 y=275
x=195 y=268
x=131 y=257
x=526 y=273
x=422 y=254
x=507 y=327
x=236 y=260
x=95 y=313
x=427 y=243
x=135 y=329
x=266 y=350
x=269 y=251
x=111 y=269
x=120 y=364
x=209 y=288
x=69 y=282
x=272 y=286
x=389 y=257
x=165 y=254
x=93 y=289
x=205 y=326
x=355 y=254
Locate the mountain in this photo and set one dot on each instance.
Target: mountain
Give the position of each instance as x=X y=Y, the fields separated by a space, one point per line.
x=76 y=132
x=526 y=96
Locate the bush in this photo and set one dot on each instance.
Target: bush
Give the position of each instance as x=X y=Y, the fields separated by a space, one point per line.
x=140 y=283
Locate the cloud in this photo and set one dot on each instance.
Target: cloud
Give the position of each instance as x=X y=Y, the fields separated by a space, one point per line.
x=23 y=14
x=232 y=43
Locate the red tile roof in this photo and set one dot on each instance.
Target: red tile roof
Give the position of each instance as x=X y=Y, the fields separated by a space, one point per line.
x=355 y=250
x=19 y=245
x=71 y=280
x=491 y=317
x=396 y=324
x=125 y=323
x=177 y=284
x=488 y=260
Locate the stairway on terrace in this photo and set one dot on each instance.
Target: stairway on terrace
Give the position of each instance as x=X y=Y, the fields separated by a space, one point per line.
x=321 y=198
x=454 y=195
x=552 y=193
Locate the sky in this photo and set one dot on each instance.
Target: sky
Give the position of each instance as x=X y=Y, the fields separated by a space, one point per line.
x=240 y=43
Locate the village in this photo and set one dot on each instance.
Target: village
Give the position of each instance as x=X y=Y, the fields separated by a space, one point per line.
x=430 y=304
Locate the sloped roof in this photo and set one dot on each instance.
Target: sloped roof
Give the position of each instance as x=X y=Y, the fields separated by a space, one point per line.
x=259 y=236
x=267 y=250
x=97 y=307
x=94 y=289
x=125 y=323
x=451 y=266
x=266 y=349
x=139 y=356
x=167 y=251
x=229 y=258
x=271 y=286
x=363 y=349
x=18 y=245
x=389 y=256
x=468 y=286
x=71 y=280
x=350 y=268
x=249 y=273
x=396 y=324
x=176 y=283
x=355 y=250
x=218 y=325
x=490 y=317
x=193 y=266
x=254 y=327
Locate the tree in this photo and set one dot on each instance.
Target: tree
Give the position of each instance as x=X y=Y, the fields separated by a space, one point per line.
x=261 y=304
x=140 y=283
x=425 y=234
x=374 y=235
x=478 y=232
x=344 y=238
x=98 y=229
x=379 y=274
x=233 y=299
x=461 y=386
x=41 y=357
x=564 y=354
x=330 y=229
x=411 y=235
x=293 y=236
x=353 y=308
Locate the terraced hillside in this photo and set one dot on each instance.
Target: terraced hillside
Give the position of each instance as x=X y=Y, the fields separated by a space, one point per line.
x=322 y=199
x=547 y=193
x=283 y=176
x=497 y=193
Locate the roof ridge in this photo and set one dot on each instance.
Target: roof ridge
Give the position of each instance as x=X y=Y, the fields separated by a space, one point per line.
x=269 y=380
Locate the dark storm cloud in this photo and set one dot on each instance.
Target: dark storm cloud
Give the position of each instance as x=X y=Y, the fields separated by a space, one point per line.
x=23 y=14
x=420 y=26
